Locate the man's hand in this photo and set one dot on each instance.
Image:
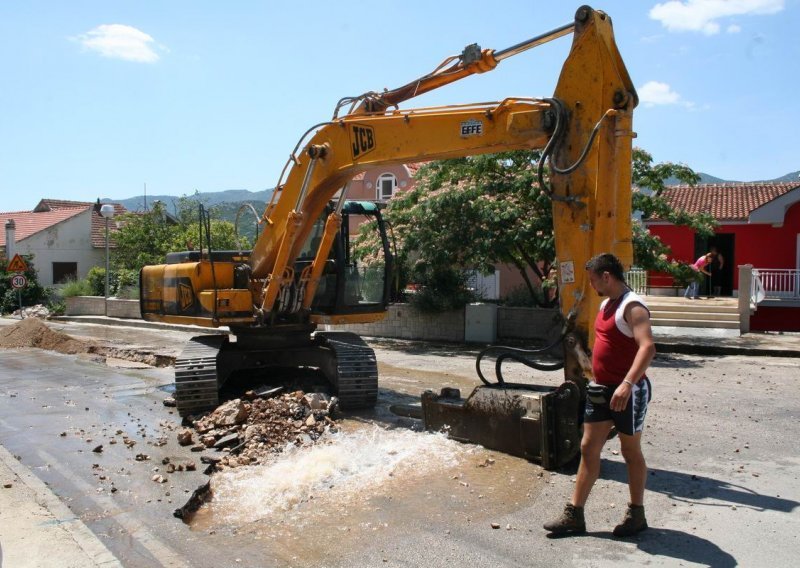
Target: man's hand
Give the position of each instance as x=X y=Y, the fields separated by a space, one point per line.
x=620 y=398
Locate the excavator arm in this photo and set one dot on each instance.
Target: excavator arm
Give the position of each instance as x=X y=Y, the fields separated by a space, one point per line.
x=269 y=297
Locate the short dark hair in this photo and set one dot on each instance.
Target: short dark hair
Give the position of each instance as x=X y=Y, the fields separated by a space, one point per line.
x=606 y=262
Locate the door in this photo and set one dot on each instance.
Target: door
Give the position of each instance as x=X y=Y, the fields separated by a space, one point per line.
x=721 y=280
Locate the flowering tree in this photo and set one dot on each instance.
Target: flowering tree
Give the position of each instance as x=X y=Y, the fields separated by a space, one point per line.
x=476 y=212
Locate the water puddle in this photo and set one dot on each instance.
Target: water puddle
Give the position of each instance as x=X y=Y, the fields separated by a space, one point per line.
x=349 y=468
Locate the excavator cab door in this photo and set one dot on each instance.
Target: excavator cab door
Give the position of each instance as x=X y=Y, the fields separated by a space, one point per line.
x=351 y=285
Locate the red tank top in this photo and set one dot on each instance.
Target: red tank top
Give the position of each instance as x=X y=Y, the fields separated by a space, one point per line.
x=614 y=350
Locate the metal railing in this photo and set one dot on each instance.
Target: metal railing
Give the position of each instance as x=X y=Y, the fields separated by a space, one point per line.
x=775 y=283
x=637 y=280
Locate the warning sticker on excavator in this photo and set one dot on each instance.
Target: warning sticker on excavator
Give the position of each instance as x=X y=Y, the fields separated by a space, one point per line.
x=567 y=272
x=471 y=127
x=17 y=264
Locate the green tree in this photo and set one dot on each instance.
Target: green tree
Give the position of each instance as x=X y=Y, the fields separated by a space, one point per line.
x=145 y=238
x=478 y=211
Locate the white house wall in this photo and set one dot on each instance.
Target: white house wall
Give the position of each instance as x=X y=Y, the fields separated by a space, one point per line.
x=68 y=241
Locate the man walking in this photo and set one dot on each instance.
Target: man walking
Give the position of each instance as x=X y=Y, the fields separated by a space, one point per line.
x=618 y=396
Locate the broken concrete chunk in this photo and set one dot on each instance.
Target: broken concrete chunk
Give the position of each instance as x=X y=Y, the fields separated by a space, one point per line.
x=185 y=437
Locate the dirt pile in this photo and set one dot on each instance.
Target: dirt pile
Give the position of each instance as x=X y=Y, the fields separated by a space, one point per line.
x=32 y=332
x=248 y=432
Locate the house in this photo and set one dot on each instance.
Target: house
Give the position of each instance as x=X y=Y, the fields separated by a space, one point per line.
x=66 y=238
x=382 y=182
x=759 y=225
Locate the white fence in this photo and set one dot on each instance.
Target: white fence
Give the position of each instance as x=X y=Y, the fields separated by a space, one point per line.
x=775 y=283
x=637 y=280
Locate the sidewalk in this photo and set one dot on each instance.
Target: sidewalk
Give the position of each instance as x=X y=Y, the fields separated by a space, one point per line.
x=686 y=340
x=37 y=530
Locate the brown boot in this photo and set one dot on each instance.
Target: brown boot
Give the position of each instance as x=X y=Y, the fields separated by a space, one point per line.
x=634 y=521
x=570 y=521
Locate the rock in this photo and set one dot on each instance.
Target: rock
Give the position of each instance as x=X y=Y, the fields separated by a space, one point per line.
x=98 y=449
x=495 y=525
x=159 y=478
x=316 y=401
x=190 y=466
x=185 y=437
x=231 y=413
x=227 y=441
x=142 y=457
x=170 y=402
x=311 y=421
x=170 y=468
x=8 y=485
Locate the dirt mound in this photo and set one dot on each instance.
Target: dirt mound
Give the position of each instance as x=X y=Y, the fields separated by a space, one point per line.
x=32 y=332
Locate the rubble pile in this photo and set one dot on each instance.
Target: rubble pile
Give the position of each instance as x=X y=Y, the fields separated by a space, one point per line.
x=37 y=311
x=249 y=431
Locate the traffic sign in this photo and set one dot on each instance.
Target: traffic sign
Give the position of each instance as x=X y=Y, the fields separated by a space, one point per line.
x=19 y=281
x=17 y=264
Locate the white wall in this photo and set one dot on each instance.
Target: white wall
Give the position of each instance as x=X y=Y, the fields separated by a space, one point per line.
x=68 y=241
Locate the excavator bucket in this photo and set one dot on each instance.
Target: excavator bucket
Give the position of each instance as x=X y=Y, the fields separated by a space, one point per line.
x=539 y=423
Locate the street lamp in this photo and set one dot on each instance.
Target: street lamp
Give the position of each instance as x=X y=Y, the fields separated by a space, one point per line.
x=107 y=212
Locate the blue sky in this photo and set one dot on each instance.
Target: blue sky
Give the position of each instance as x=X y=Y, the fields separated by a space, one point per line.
x=99 y=98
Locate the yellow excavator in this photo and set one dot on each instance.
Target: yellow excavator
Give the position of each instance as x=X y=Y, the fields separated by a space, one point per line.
x=300 y=273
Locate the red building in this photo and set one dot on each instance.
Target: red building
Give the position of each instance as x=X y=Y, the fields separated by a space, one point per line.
x=759 y=224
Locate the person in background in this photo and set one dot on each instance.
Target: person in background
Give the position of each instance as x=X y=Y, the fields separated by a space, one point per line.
x=715 y=267
x=699 y=266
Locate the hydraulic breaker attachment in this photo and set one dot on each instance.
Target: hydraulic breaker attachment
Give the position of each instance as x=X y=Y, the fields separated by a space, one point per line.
x=536 y=422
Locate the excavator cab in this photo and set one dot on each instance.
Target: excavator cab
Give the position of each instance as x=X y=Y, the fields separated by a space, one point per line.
x=350 y=285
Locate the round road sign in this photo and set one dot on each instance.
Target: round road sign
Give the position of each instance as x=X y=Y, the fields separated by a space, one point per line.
x=18 y=281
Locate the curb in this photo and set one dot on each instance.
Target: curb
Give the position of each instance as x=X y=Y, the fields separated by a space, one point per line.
x=700 y=349
x=78 y=531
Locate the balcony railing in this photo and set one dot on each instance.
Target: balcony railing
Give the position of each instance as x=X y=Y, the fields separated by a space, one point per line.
x=775 y=283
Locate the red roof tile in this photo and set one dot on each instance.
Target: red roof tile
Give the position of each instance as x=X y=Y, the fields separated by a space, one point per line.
x=99 y=226
x=725 y=201
x=29 y=223
x=49 y=212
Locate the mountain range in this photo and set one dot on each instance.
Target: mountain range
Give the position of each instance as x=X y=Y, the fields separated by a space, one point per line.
x=226 y=203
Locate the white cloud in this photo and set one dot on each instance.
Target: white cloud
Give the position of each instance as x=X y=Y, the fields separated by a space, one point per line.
x=119 y=41
x=734 y=29
x=655 y=93
x=701 y=15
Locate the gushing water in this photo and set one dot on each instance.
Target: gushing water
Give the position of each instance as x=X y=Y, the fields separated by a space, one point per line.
x=347 y=468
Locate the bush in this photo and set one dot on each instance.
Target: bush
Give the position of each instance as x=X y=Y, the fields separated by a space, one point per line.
x=73 y=287
x=96 y=279
x=31 y=295
x=126 y=283
x=441 y=289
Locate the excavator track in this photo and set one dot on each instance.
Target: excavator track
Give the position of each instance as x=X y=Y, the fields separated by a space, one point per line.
x=196 y=384
x=356 y=370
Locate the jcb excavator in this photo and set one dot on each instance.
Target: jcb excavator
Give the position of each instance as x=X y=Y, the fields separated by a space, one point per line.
x=300 y=274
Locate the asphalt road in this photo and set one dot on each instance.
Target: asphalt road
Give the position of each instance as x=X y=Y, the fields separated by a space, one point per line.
x=720 y=440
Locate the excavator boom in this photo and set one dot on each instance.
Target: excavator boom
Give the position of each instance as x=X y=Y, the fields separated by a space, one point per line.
x=272 y=296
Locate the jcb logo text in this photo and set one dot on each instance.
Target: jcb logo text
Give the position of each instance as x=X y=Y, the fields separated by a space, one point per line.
x=363 y=140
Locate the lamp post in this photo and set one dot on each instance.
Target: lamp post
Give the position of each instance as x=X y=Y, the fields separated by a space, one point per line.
x=107 y=212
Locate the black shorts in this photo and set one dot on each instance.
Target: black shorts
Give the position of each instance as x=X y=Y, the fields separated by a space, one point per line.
x=628 y=421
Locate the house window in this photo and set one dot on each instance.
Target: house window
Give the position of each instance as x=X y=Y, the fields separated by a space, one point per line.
x=385 y=186
x=63 y=271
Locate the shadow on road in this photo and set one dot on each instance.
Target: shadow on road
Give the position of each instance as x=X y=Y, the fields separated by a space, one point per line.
x=692 y=488
x=667 y=543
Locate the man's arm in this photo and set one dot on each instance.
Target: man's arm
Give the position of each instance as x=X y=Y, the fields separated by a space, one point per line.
x=638 y=319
